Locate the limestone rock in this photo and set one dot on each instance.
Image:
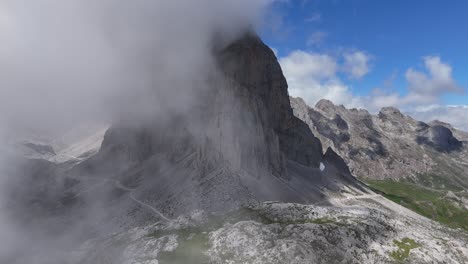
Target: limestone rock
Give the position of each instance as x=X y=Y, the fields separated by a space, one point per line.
x=389 y=145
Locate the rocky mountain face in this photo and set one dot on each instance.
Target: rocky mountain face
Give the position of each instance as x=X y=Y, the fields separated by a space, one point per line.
x=390 y=145
x=239 y=143
x=194 y=186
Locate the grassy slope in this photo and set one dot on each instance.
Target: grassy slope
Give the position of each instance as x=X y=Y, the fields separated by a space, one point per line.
x=425 y=201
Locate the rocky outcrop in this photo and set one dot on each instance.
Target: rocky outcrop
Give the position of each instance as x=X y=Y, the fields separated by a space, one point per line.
x=364 y=232
x=389 y=145
x=440 y=138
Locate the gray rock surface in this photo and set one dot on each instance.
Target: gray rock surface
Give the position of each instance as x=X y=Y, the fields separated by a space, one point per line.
x=246 y=144
x=363 y=229
x=389 y=145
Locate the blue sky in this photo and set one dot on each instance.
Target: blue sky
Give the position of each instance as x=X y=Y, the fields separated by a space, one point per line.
x=395 y=36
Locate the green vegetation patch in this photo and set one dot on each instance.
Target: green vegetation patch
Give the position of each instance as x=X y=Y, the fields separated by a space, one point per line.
x=191 y=249
x=436 y=181
x=267 y=220
x=425 y=201
x=322 y=221
x=404 y=248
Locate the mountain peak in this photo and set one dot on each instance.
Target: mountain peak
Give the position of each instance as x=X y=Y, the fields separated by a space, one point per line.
x=390 y=112
x=440 y=123
x=325 y=105
x=240 y=143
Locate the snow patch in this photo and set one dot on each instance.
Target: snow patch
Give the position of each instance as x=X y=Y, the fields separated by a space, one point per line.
x=322 y=166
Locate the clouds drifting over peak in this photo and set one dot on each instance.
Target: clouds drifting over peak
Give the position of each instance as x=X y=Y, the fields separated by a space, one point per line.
x=314 y=76
x=452 y=114
x=62 y=62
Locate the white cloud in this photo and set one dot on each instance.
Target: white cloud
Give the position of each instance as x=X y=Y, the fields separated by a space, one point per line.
x=452 y=114
x=314 y=76
x=429 y=86
x=356 y=64
x=317 y=38
x=300 y=65
x=424 y=88
x=379 y=99
x=65 y=61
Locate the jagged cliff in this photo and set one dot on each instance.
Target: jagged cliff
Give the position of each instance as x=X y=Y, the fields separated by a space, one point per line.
x=239 y=143
x=390 y=145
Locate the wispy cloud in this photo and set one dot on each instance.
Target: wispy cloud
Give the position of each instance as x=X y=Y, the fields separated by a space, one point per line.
x=452 y=114
x=356 y=64
x=317 y=38
x=424 y=87
x=315 y=17
x=436 y=80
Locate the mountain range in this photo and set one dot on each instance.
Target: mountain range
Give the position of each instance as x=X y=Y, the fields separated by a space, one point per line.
x=390 y=144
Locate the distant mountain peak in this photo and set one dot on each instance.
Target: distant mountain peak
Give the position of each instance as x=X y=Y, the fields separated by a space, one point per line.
x=390 y=112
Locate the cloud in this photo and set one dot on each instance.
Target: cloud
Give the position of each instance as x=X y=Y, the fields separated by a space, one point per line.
x=316 y=38
x=356 y=64
x=65 y=61
x=313 y=76
x=428 y=86
x=452 y=114
x=423 y=88
x=300 y=65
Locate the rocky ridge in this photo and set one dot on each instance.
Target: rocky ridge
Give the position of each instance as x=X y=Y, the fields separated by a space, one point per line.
x=389 y=145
